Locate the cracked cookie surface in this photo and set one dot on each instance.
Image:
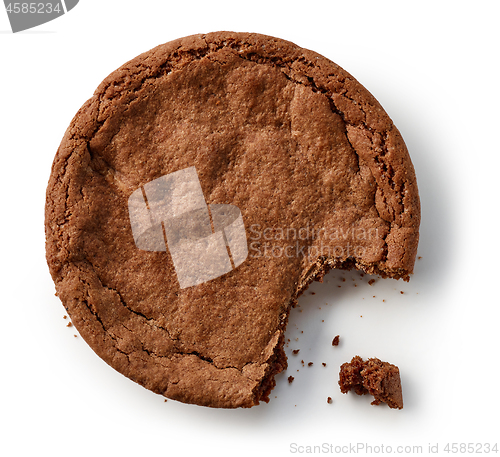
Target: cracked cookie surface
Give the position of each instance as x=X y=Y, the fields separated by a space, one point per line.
x=282 y=133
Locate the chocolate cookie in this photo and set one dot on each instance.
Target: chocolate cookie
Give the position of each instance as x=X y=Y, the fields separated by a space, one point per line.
x=201 y=189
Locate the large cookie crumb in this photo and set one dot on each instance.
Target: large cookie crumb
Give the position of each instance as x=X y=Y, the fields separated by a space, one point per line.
x=374 y=377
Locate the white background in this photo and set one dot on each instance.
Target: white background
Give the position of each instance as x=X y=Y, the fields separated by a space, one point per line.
x=434 y=66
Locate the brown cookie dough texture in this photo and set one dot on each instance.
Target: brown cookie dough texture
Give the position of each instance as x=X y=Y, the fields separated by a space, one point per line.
x=374 y=377
x=278 y=131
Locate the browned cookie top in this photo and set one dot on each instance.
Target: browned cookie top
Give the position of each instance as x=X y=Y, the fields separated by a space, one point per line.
x=320 y=174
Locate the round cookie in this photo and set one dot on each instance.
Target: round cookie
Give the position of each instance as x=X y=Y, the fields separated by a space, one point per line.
x=201 y=189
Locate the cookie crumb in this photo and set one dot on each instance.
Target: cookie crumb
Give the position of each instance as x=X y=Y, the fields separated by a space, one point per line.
x=69 y=324
x=336 y=340
x=329 y=400
x=371 y=282
x=295 y=351
x=291 y=378
x=65 y=317
x=419 y=257
x=313 y=293
x=165 y=401
x=323 y=363
x=402 y=292
x=75 y=336
x=310 y=364
x=374 y=377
